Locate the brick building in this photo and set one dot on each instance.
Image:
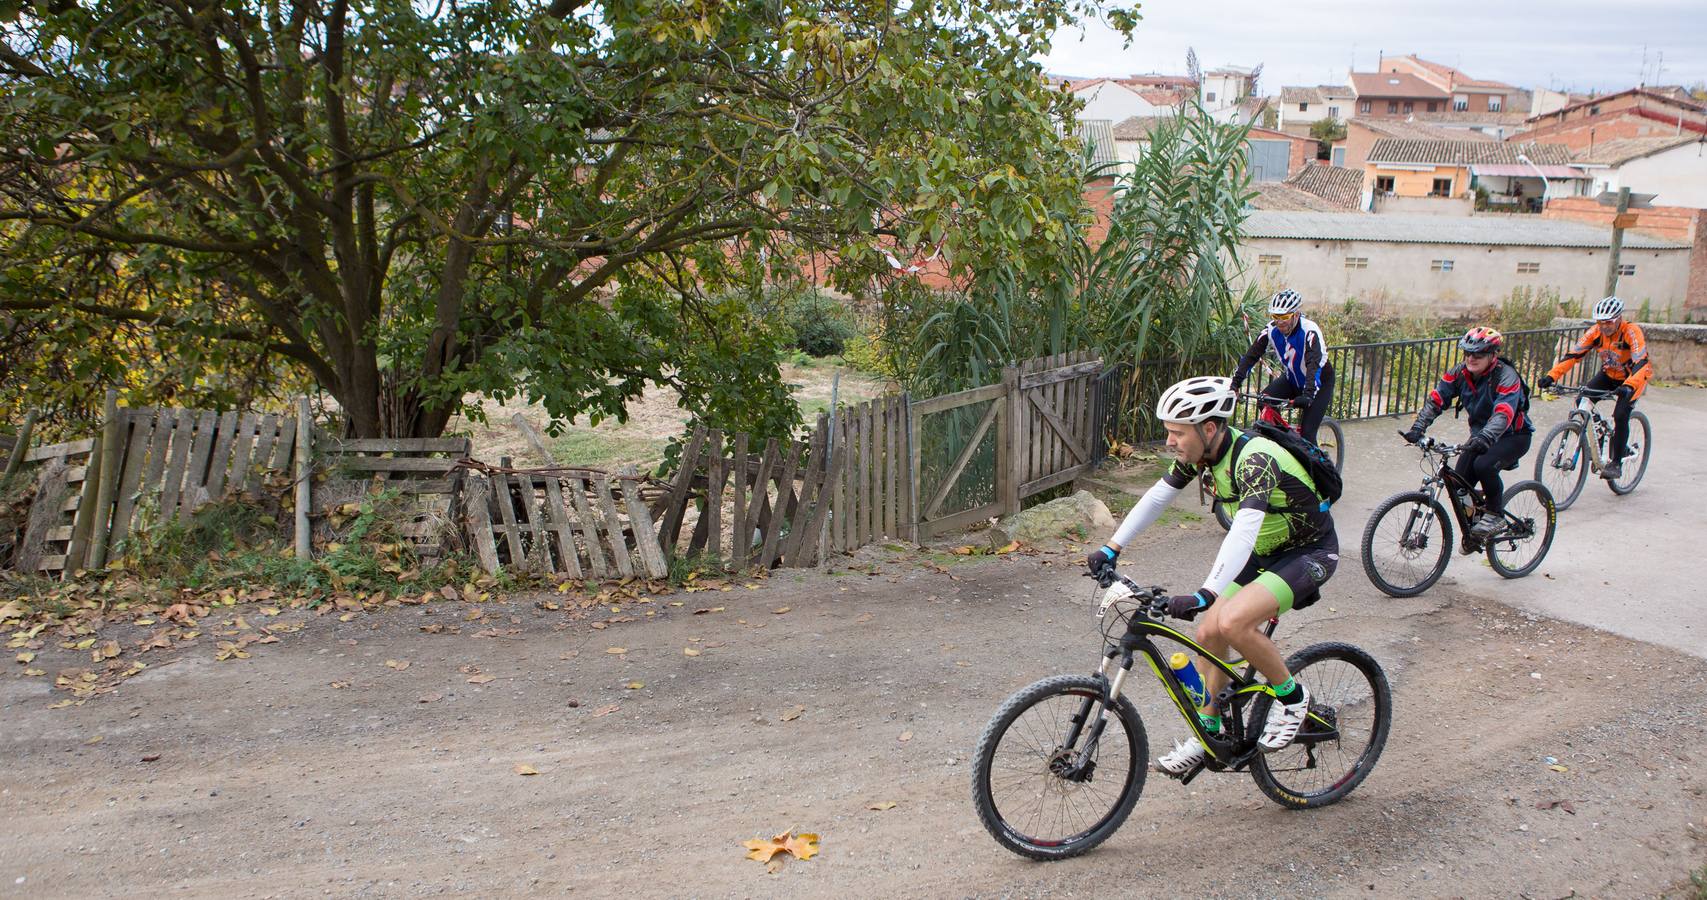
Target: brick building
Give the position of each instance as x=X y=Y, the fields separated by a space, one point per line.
x=1635 y=113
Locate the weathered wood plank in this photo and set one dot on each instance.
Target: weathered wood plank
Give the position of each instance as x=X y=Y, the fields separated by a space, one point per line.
x=832 y=478
x=848 y=510
x=195 y=478
x=539 y=557
x=779 y=510
x=140 y=433
x=613 y=525
x=83 y=516
x=557 y=518
x=507 y=515
x=284 y=450
x=932 y=528
x=800 y=542
x=477 y=509
x=1064 y=437
x=741 y=534
x=69 y=448
x=956 y=400
x=219 y=464
x=460 y=445
x=393 y=464
x=891 y=468
x=242 y=449
x=1061 y=373
x=676 y=505
x=589 y=527
x=761 y=499
x=640 y=522
x=265 y=437
x=172 y=479
x=714 y=497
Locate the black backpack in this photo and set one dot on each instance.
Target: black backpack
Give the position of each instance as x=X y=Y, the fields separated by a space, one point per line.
x=1329 y=484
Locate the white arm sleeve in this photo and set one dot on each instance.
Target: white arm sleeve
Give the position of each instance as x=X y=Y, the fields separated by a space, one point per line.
x=1236 y=550
x=1148 y=510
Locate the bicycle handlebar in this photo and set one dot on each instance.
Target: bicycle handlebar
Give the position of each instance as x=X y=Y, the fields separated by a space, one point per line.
x=1433 y=445
x=1590 y=393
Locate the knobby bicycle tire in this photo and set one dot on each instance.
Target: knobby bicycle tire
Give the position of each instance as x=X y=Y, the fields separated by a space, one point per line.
x=1436 y=540
x=1559 y=459
x=1278 y=773
x=1545 y=513
x=984 y=770
x=1643 y=448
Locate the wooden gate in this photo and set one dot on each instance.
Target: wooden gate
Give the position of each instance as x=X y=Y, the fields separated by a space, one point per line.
x=977 y=454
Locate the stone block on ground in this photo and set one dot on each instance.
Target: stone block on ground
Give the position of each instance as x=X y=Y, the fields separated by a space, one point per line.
x=1080 y=517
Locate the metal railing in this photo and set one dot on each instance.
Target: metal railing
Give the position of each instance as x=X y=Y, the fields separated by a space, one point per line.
x=1392 y=378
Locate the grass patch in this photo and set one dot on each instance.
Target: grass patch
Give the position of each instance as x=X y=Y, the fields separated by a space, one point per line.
x=602 y=449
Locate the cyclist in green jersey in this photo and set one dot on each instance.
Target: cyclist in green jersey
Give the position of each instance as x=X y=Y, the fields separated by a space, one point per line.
x=1280 y=550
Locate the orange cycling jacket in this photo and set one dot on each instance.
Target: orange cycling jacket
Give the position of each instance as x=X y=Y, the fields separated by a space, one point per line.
x=1623 y=356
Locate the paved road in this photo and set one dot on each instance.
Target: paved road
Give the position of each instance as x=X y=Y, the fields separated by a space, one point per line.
x=1622 y=564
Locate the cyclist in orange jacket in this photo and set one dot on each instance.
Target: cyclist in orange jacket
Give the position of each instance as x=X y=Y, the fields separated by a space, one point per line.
x=1624 y=369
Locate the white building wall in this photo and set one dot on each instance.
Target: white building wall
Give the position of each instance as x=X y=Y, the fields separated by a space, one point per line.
x=1107 y=100
x=1400 y=277
x=1678 y=176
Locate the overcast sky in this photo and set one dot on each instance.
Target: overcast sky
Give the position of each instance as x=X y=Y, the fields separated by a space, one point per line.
x=1564 y=44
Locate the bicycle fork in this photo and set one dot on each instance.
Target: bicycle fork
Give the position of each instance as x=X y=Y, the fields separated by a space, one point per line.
x=1081 y=766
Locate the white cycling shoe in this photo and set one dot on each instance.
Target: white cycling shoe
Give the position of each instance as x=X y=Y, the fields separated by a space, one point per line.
x=1284 y=720
x=1183 y=757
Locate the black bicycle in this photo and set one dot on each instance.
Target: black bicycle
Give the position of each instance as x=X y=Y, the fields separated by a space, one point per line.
x=1567 y=456
x=1062 y=763
x=1330 y=437
x=1408 y=540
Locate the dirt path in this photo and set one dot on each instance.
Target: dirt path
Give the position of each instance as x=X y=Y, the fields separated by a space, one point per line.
x=270 y=781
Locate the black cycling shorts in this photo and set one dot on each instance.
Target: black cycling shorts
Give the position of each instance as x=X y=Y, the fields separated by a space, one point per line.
x=1296 y=576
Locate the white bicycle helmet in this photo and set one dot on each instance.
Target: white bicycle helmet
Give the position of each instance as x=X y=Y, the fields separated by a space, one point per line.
x=1285 y=303
x=1608 y=308
x=1197 y=399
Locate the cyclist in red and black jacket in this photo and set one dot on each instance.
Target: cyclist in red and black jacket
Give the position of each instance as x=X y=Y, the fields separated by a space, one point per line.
x=1491 y=391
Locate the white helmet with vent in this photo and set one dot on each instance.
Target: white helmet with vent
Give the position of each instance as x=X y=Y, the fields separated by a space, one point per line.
x=1197 y=399
x=1285 y=303
x=1608 y=308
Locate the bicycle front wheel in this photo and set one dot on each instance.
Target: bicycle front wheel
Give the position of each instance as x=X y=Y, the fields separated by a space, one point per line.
x=1562 y=465
x=1038 y=789
x=1331 y=438
x=1636 y=450
x=1351 y=711
x=1531 y=517
x=1406 y=544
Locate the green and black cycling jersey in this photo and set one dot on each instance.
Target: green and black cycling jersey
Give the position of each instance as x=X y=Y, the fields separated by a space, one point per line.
x=1268 y=479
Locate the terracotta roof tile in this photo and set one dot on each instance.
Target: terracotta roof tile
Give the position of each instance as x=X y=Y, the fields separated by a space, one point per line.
x=1396 y=150
x=1394 y=84
x=1615 y=153
x=1337 y=185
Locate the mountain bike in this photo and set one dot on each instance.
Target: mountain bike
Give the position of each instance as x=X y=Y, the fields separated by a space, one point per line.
x=1061 y=764
x=1330 y=436
x=1408 y=539
x=1566 y=458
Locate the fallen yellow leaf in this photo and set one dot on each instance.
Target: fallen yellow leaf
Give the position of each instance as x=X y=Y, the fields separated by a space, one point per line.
x=881 y=805
x=793 y=714
x=635 y=685
x=803 y=846
x=481 y=679
x=398 y=664
x=618 y=651
x=689 y=651
x=34 y=672
x=781 y=609
x=1008 y=547
x=525 y=769
x=906 y=736
x=26 y=657
x=94 y=740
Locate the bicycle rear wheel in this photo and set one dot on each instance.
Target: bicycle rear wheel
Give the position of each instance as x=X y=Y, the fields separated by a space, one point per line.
x=1331 y=438
x=1030 y=790
x=1531 y=517
x=1562 y=465
x=1351 y=711
x=1636 y=452
x=1406 y=544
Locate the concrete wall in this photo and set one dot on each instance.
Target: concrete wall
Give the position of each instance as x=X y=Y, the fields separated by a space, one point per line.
x=1678 y=176
x=1674 y=223
x=1400 y=276
x=1108 y=100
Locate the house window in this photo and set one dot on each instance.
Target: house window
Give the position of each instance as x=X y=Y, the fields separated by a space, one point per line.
x=1493 y=104
x=1393 y=106
x=1357 y=262
x=1384 y=184
x=1433 y=106
x=1268 y=259
x=1303 y=107
x=1211 y=96
x=1528 y=268
x=1440 y=265
x=1363 y=107
x=1594 y=110
x=1407 y=106
x=1627 y=269
x=1333 y=112
x=1442 y=188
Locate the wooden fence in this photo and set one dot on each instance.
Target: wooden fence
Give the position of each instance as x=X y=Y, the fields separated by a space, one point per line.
x=577 y=522
x=423 y=470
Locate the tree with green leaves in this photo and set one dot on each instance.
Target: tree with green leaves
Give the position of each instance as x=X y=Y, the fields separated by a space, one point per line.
x=1326 y=131
x=557 y=200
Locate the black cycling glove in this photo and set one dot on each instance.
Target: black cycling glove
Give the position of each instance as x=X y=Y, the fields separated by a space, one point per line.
x=1187 y=606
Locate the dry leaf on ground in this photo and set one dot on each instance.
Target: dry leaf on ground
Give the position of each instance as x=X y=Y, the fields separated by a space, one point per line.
x=689 y=651
x=881 y=805
x=793 y=714
x=605 y=710
x=635 y=685
x=481 y=679
x=525 y=769
x=906 y=736
x=398 y=664
x=799 y=846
